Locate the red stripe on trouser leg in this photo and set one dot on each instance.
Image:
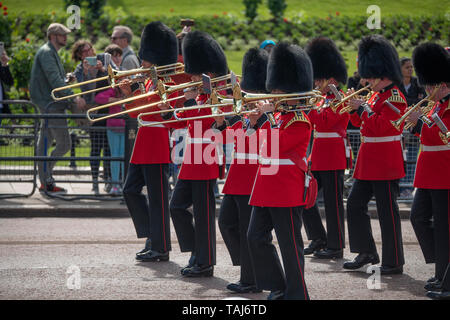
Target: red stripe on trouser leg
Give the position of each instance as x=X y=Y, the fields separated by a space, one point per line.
x=296 y=253
x=162 y=207
x=207 y=208
x=337 y=209
x=393 y=223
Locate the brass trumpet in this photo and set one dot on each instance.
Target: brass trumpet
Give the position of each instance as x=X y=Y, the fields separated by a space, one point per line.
x=351 y=96
x=338 y=97
x=162 y=90
x=114 y=75
x=240 y=102
x=425 y=110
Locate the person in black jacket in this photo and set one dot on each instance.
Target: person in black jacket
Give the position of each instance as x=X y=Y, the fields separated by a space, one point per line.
x=410 y=86
x=5 y=79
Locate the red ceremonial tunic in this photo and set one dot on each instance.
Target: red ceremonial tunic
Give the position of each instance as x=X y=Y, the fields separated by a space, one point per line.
x=329 y=152
x=200 y=161
x=152 y=143
x=380 y=156
x=282 y=184
x=244 y=165
x=433 y=164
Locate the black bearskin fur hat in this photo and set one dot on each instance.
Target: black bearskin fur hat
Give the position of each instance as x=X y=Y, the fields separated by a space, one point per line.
x=203 y=54
x=377 y=58
x=431 y=63
x=159 y=44
x=254 y=70
x=326 y=59
x=289 y=69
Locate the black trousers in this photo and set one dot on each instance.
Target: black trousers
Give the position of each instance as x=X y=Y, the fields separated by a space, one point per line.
x=433 y=236
x=332 y=183
x=151 y=217
x=358 y=219
x=446 y=279
x=269 y=273
x=195 y=232
x=234 y=218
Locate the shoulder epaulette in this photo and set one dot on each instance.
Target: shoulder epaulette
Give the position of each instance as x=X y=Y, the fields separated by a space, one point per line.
x=396 y=97
x=271 y=118
x=299 y=116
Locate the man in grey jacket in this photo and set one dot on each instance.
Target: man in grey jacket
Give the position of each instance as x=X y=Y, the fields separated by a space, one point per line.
x=47 y=74
x=122 y=36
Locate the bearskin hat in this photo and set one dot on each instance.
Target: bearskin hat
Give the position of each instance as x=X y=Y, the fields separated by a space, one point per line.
x=377 y=58
x=289 y=69
x=431 y=63
x=203 y=54
x=326 y=59
x=159 y=44
x=254 y=70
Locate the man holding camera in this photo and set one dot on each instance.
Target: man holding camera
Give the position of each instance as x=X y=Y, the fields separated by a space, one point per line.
x=47 y=74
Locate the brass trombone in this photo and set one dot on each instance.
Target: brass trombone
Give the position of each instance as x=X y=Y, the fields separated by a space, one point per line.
x=425 y=110
x=240 y=102
x=162 y=90
x=114 y=75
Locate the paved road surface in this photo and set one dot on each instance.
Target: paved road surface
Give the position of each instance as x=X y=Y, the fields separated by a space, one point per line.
x=37 y=253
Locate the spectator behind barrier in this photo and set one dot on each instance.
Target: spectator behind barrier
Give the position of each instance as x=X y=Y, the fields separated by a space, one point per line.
x=88 y=69
x=115 y=126
x=47 y=74
x=267 y=45
x=410 y=85
x=5 y=79
x=122 y=36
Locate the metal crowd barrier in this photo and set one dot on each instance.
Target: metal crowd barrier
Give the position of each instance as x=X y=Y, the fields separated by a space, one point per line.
x=411 y=144
x=18 y=161
x=20 y=132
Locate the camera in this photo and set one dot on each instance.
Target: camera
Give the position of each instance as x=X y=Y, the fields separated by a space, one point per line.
x=92 y=61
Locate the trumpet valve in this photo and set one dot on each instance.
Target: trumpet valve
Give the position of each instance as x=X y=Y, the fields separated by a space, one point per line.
x=444 y=137
x=397 y=123
x=345 y=109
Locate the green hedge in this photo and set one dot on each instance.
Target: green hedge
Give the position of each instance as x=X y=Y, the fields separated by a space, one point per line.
x=25 y=33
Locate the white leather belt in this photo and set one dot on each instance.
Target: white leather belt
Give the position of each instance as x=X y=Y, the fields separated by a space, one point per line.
x=198 y=140
x=445 y=147
x=246 y=156
x=380 y=139
x=275 y=162
x=326 y=135
x=155 y=126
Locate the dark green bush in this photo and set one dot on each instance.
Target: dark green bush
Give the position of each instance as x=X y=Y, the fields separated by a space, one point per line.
x=251 y=8
x=405 y=32
x=277 y=8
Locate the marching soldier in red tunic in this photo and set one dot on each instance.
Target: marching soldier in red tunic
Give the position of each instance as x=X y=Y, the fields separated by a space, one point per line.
x=151 y=155
x=432 y=180
x=330 y=154
x=200 y=167
x=278 y=190
x=235 y=211
x=379 y=165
